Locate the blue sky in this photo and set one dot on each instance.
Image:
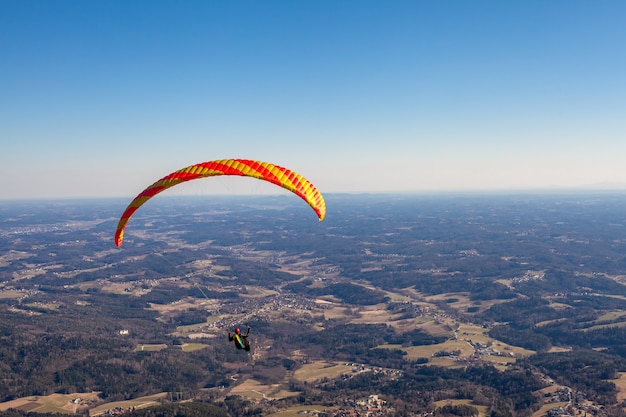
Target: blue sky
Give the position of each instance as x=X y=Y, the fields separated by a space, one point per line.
x=101 y=98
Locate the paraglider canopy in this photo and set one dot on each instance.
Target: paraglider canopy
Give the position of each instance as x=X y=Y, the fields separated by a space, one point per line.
x=265 y=171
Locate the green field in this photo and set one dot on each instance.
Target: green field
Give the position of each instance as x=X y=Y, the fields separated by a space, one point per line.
x=251 y=388
x=483 y=410
x=319 y=370
x=54 y=403
x=150 y=348
x=7 y=294
x=190 y=347
x=298 y=411
x=136 y=403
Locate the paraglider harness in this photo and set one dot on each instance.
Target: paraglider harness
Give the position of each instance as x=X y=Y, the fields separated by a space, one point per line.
x=241 y=340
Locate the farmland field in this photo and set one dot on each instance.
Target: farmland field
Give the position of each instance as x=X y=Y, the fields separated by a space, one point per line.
x=319 y=370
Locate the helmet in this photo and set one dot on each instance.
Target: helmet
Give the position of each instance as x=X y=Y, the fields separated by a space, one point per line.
x=237 y=330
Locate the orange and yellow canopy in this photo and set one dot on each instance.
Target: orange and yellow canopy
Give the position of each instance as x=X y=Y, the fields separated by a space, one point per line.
x=275 y=174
